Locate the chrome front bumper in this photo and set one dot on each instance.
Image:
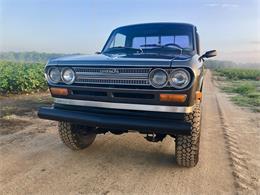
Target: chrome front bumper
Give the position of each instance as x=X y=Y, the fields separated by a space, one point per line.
x=124 y=106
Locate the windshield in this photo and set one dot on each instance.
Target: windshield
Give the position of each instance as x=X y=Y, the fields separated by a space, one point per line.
x=163 y=38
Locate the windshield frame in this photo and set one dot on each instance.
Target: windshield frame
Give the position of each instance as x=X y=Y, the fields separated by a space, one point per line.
x=155 y=25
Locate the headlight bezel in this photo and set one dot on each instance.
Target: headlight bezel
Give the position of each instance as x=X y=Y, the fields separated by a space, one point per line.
x=49 y=78
x=152 y=73
x=174 y=71
x=73 y=73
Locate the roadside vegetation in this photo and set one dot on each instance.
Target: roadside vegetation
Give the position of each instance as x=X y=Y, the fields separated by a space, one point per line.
x=19 y=77
x=31 y=57
x=242 y=84
x=23 y=79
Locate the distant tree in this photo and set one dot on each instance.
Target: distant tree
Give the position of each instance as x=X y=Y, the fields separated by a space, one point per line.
x=29 y=56
x=215 y=64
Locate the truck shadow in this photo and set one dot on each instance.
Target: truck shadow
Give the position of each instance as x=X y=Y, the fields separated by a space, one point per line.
x=131 y=150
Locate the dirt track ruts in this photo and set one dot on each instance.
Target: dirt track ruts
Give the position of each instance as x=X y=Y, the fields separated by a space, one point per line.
x=33 y=159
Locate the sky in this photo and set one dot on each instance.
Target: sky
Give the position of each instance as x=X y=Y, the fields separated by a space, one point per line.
x=82 y=26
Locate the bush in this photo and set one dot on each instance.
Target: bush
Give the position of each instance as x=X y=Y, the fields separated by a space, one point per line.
x=244 y=89
x=238 y=74
x=244 y=83
x=21 y=77
x=255 y=95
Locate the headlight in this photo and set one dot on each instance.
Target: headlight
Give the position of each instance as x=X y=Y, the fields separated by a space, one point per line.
x=54 y=75
x=158 y=78
x=179 y=78
x=68 y=76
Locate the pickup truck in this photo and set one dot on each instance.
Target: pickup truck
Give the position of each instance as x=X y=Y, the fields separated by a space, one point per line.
x=148 y=78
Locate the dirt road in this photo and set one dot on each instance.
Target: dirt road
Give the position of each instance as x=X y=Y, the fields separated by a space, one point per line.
x=33 y=159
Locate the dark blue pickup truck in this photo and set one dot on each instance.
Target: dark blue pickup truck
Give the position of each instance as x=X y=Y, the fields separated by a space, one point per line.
x=148 y=78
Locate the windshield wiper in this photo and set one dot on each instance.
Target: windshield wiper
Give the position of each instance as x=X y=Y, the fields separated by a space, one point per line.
x=151 y=45
x=169 y=45
x=112 y=49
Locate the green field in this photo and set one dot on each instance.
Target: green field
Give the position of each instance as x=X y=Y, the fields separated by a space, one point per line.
x=242 y=84
x=239 y=73
x=19 y=77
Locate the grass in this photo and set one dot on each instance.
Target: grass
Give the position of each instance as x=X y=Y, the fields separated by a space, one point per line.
x=243 y=85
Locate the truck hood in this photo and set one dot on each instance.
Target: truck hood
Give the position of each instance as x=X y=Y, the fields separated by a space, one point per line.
x=119 y=60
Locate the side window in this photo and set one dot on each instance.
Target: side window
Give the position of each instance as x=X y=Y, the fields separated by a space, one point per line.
x=198 y=43
x=119 y=41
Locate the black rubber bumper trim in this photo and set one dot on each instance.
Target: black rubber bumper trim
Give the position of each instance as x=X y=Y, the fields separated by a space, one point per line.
x=141 y=124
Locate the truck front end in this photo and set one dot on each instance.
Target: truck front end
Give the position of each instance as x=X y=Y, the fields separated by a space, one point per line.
x=148 y=78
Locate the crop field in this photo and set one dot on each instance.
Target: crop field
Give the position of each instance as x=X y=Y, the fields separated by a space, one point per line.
x=18 y=77
x=242 y=84
x=239 y=73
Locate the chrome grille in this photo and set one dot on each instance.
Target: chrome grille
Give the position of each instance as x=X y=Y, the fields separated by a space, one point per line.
x=121 y=70
x=112 y=76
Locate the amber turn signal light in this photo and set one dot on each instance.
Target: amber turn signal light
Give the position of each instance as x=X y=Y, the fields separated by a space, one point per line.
x=198 y=95
x=180 y=98
x=59 y=91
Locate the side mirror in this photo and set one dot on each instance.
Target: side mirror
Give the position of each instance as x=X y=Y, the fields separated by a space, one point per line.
x=208 y=54
x=97 y=52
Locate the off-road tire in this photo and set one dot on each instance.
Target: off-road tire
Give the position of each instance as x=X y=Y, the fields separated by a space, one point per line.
x=73 y=136
x=187 y=147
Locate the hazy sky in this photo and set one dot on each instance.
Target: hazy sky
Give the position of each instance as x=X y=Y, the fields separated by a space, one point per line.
x=71 y=26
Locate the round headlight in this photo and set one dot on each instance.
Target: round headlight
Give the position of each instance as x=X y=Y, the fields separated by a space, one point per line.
x=68 y=76
x=54 y=75
x=179 y=78
x=158 y=78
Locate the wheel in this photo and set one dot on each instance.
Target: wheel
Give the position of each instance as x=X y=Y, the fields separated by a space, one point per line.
x=75 y=136
x=187 y=147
